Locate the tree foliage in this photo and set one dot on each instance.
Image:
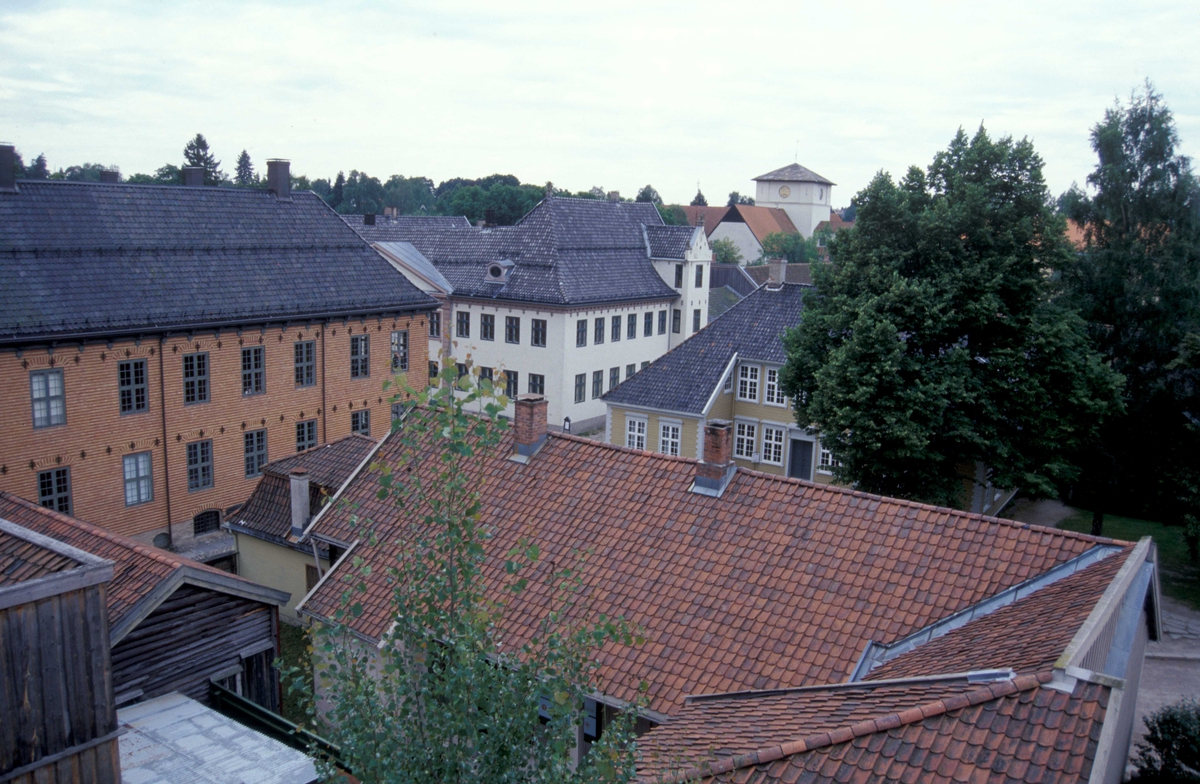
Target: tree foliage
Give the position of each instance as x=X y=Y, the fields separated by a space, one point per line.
x=440 y=699
x=672 y=214
x=698 y=200
x=196 y=153
x=726 y=251
x=794 y=247
x=648 y=194
x=934 y=341
x=87 y=172
x=1171 y=750
x=245 y=176
x=736 y=198
x=38 y=170
x=1137 y=284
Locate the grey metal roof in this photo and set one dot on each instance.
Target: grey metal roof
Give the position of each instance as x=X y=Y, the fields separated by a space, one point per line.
x=794 y=172
x=684 y=378
x=669 y=242
x=92 y=259
x=565 y=251
x=407 y=253
x=734 y=276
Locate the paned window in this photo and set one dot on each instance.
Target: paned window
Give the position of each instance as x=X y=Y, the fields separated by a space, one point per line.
x=487 y=326
x=537 y=384
x=254 y=381
x=630 y=369
x=49 y=402
x=635 y=433
x=131 y=386
x=699 y=276
x=399 y=410
x=254 y=447
x=580 y=387
x=581 y=332
x=748 y=383
x=676 y=320
x=597 y=384
x=206 y=522
x=512 y=329
x=696 y=320
x=598 y=332
x=486 y=373
x=460 y=368
x=512 y=384
x=662 y=322
x=400 y=350
x=199 y=465
x=826 y=463
x=462 y=324
x=305 y=363
x=195 y=378
x=745 y=437
x=311 y=577
x=614 y=377
x=645 y=364
x=772 y=447
x=435 y=324
x=647 y=324
x=360 y=422
x=728 y=384
x=54 y=489
x=306 y=434
x=771 y=392
x=434 y=370
x=139 y=484
x=668 y=439
x=360 y=356
x=538 y=336
x=616 y=328
x=631 y=326
x=678 y=276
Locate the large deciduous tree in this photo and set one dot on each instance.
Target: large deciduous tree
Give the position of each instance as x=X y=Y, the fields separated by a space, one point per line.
x=933 y=341
x=1137 y=284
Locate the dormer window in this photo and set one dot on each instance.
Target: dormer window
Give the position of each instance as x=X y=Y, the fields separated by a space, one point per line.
x=498 y=271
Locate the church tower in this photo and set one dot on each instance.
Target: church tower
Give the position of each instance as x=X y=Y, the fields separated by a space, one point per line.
x=802 y=193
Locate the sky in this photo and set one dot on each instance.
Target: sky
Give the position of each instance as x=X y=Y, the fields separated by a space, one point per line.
x=611 y=94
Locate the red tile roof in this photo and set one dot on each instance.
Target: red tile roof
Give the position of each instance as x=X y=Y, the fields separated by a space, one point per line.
x=21 y=560
x=777 y=583
x=762 y=220
x=712 y=216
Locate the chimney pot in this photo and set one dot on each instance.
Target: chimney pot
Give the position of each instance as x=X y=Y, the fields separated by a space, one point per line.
x=713 y=475
x=369 y=219
x=529 y=426
x=193 y=176
x=110 y=176
x=776 y=272
x=8 y=171
x=391 y=212
x=614 y=195
x=279 y=178
x=300 y=500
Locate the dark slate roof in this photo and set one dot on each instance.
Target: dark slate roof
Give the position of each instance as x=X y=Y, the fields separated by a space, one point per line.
x=684 y=378
x=795 y=273
x=668 y=242
x=407 y=222
x=794 y=172
x=735 y=277
x=721 y=300
x=565 y=251
x=82 y=259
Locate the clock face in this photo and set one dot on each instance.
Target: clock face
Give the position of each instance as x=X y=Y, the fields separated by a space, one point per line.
x=784 y=192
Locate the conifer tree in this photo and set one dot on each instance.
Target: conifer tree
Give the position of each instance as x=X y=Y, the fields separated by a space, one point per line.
x=196 y=153
x=245 y=176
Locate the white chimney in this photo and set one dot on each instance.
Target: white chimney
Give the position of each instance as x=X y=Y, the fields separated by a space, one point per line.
x=300 y=500
x=776 y=272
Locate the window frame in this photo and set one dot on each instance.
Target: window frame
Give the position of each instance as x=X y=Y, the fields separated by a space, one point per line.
x=630 y=369
x=536 y=384
x=512 y=330
x=615 y=330
x=774 y=444
x=665 y=439
x=254 y=379
x=745 y=433
x=199 y=380
x=302 y=437
x=487 y=326
x=360 y=422
x=435 y=324
x=662 y=322
x=648 y=324
x=304 y=363
x=699 y=276
x=825 y=462
x=676 y=321
x=580 y=387
x=597 y=384
x=360 y=356
x=462 y=324
x=635 y=432
x=207 y=530
x=601 y=325
x=614 y=377
x=631 y=326
x=679 y=276
x=200 y=469
x=749 y=377
x=400 y=354
x=581 y=330
x=48 y=398
x=59 y=499
x=254 y=451
x=512 y=384
x=772 y=394
x=127 y=390
x=537 y=333
x=142 y=484
x=696 y=320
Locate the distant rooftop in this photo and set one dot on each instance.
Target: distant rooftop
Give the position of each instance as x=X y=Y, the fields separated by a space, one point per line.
x=794 y=172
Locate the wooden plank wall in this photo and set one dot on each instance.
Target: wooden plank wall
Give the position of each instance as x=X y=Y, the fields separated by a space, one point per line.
x=56 y=686
x=194 y=635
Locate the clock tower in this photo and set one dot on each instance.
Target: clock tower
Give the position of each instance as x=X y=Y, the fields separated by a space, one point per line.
x=802 y=193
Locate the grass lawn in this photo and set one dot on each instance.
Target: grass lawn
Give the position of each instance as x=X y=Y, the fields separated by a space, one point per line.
x=294 y=651
x=1180 y=578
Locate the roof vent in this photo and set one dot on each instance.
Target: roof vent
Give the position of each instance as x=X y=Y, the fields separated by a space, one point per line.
x=8 y=168
x=498 y=271
x=193 y=176
x=990 y=676
x=369 y=219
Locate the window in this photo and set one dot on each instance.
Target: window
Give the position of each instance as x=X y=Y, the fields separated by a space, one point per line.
x=696 y=320
x=512 y=329
x=434 y=370
x=598 y=336
x=772 y=394
x=486 y=373
x=462 y=325
x=678 y=276
x=538 y=337
x=254 y=380
x=745 y=436
x=487 y=326
x=648 y=324
x=826 y=463
x=668 y=439
x=728 y=384
x=645 y=364
x=630 y=369
x=460 y=368
x=699 y=276
x=772 y=449
x=139 y=485
x=614 y=377
x=399 y=410
x=254 y=448
x=512 y=385
x=360 y=422
x=616 y=328
x=49 y=402
x=306 y=434
x=360 y=356
x=195 y=378
x=54 y=489
x=435 y=324
x=581 y=332
x=311 y=577
x=199 y=465
x=662 y=322
x=206 y=522
x=631 y=326
x=748 y=383
x=131 y=385
x=635 y=433
x=597 y=384
x=676 y=320
x=400 y=350
x=305 y=363
x=580 y=387
x=537 y=384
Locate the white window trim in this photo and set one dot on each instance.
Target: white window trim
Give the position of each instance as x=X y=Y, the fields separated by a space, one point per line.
x=630 y=431
x=783 y=444
x=676 y=423
x=778 y=392
x=753 y=438
x=756 y=381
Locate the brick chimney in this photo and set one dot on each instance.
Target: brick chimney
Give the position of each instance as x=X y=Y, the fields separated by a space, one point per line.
x=614 y=195
x=776 y=272
x=110 y=176
x=193 y=176
x=279 y=178
x=8 y=173
x=529 y=426
x=300 y=500
x=713 y=475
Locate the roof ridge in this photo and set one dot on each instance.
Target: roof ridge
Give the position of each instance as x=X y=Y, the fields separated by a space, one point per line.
x=985 y=693
x=623 y=448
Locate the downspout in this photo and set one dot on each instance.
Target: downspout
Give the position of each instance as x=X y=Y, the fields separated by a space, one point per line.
x=324 y=409
x=162 y=402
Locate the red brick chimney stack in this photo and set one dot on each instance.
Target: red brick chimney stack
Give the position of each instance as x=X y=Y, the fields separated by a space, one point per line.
x=529 y=426
x=713 y=475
